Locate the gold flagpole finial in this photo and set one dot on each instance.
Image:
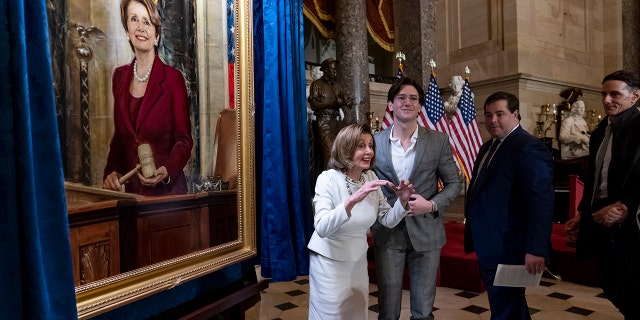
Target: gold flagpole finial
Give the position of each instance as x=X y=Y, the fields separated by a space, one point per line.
x=467 y=71
x=400 y=56
x=432 y=64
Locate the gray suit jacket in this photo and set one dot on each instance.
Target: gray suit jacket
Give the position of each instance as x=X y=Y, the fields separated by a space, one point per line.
x=433 y=160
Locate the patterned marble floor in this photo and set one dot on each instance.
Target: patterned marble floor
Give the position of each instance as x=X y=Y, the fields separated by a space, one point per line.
x=552 y=300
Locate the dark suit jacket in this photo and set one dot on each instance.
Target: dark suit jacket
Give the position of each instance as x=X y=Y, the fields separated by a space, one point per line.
x=623 y=182
x=163 y=122
x=433 y=160
x=511 y=213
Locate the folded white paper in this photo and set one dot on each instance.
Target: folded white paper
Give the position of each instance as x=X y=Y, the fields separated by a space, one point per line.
x=509 y=275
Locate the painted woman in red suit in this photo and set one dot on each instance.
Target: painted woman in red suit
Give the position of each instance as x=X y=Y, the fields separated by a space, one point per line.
x=150 y=107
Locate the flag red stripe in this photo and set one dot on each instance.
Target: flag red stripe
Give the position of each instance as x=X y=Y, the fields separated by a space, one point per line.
x=462 y=141
x=387 y=120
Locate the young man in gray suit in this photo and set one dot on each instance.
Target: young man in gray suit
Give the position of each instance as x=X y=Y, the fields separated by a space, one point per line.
x=406 y=151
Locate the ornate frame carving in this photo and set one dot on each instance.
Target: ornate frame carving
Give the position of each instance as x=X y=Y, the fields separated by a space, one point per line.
x=100 y=296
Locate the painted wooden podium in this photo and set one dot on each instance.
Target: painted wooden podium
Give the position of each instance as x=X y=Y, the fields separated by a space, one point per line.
x=114 y=232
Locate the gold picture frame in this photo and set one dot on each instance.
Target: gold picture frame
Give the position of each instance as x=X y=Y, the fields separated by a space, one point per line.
x=107 y=294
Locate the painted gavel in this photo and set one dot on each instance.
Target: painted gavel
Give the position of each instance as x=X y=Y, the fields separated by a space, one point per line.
x=145 y=164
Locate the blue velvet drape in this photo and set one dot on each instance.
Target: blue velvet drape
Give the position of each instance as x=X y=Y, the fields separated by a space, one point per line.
x=36 y=281
x=284 y=196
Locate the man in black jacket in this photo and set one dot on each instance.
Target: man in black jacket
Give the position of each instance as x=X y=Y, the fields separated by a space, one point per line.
x=609 y=226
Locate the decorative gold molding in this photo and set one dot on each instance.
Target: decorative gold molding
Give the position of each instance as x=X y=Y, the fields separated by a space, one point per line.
x=107 y=294
x=329 y=34
x=378 y=40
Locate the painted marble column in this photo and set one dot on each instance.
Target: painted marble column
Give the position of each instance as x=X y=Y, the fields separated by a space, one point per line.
x=631 y=35
x=177 y=48
x=352 y=55
x=58 y=37
x=415 y=35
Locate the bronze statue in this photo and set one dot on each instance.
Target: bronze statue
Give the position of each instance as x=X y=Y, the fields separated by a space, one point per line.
x=326 y=97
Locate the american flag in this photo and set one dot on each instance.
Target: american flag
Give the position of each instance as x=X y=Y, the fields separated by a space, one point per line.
x=433 y=108
x=436 y=118
x=465 y=133
x=231 y=56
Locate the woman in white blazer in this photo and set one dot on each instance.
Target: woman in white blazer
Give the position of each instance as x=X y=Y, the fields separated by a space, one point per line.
x=347 y=202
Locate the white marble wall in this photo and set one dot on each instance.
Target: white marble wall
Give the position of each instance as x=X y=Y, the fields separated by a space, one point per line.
x=534 y=49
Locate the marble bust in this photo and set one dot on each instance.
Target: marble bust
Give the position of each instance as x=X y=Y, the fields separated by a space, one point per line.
x=574 y=133
x=451 y=104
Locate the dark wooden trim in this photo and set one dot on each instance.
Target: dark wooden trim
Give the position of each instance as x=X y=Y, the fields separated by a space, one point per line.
x=237 y=299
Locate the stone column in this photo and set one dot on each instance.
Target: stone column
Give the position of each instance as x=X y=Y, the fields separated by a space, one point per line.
x=415 y=35
x=631 y=35
x=352 y=55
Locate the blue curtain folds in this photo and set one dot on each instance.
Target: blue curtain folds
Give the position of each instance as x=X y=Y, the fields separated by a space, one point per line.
x=284 y=196
x=36 y=277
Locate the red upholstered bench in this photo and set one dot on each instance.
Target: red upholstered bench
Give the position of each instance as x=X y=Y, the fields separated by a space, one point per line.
x=458 y=269
x=565 y=264
x=563 y=258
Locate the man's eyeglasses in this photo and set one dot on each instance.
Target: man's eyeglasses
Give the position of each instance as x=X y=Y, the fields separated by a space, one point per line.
x=403 y=98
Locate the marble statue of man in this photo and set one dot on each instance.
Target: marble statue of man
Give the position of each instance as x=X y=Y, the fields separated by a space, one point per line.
x=574 y=133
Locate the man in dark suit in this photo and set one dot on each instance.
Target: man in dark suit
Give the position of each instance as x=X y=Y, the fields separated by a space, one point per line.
x=410 y=152
x=509 y=205
x=609 y=224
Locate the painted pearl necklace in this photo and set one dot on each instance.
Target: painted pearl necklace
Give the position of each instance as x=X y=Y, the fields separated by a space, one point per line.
x=349 y=181
x=135 y=72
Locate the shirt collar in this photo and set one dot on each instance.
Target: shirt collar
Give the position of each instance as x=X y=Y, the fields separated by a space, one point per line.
x=414 y=136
